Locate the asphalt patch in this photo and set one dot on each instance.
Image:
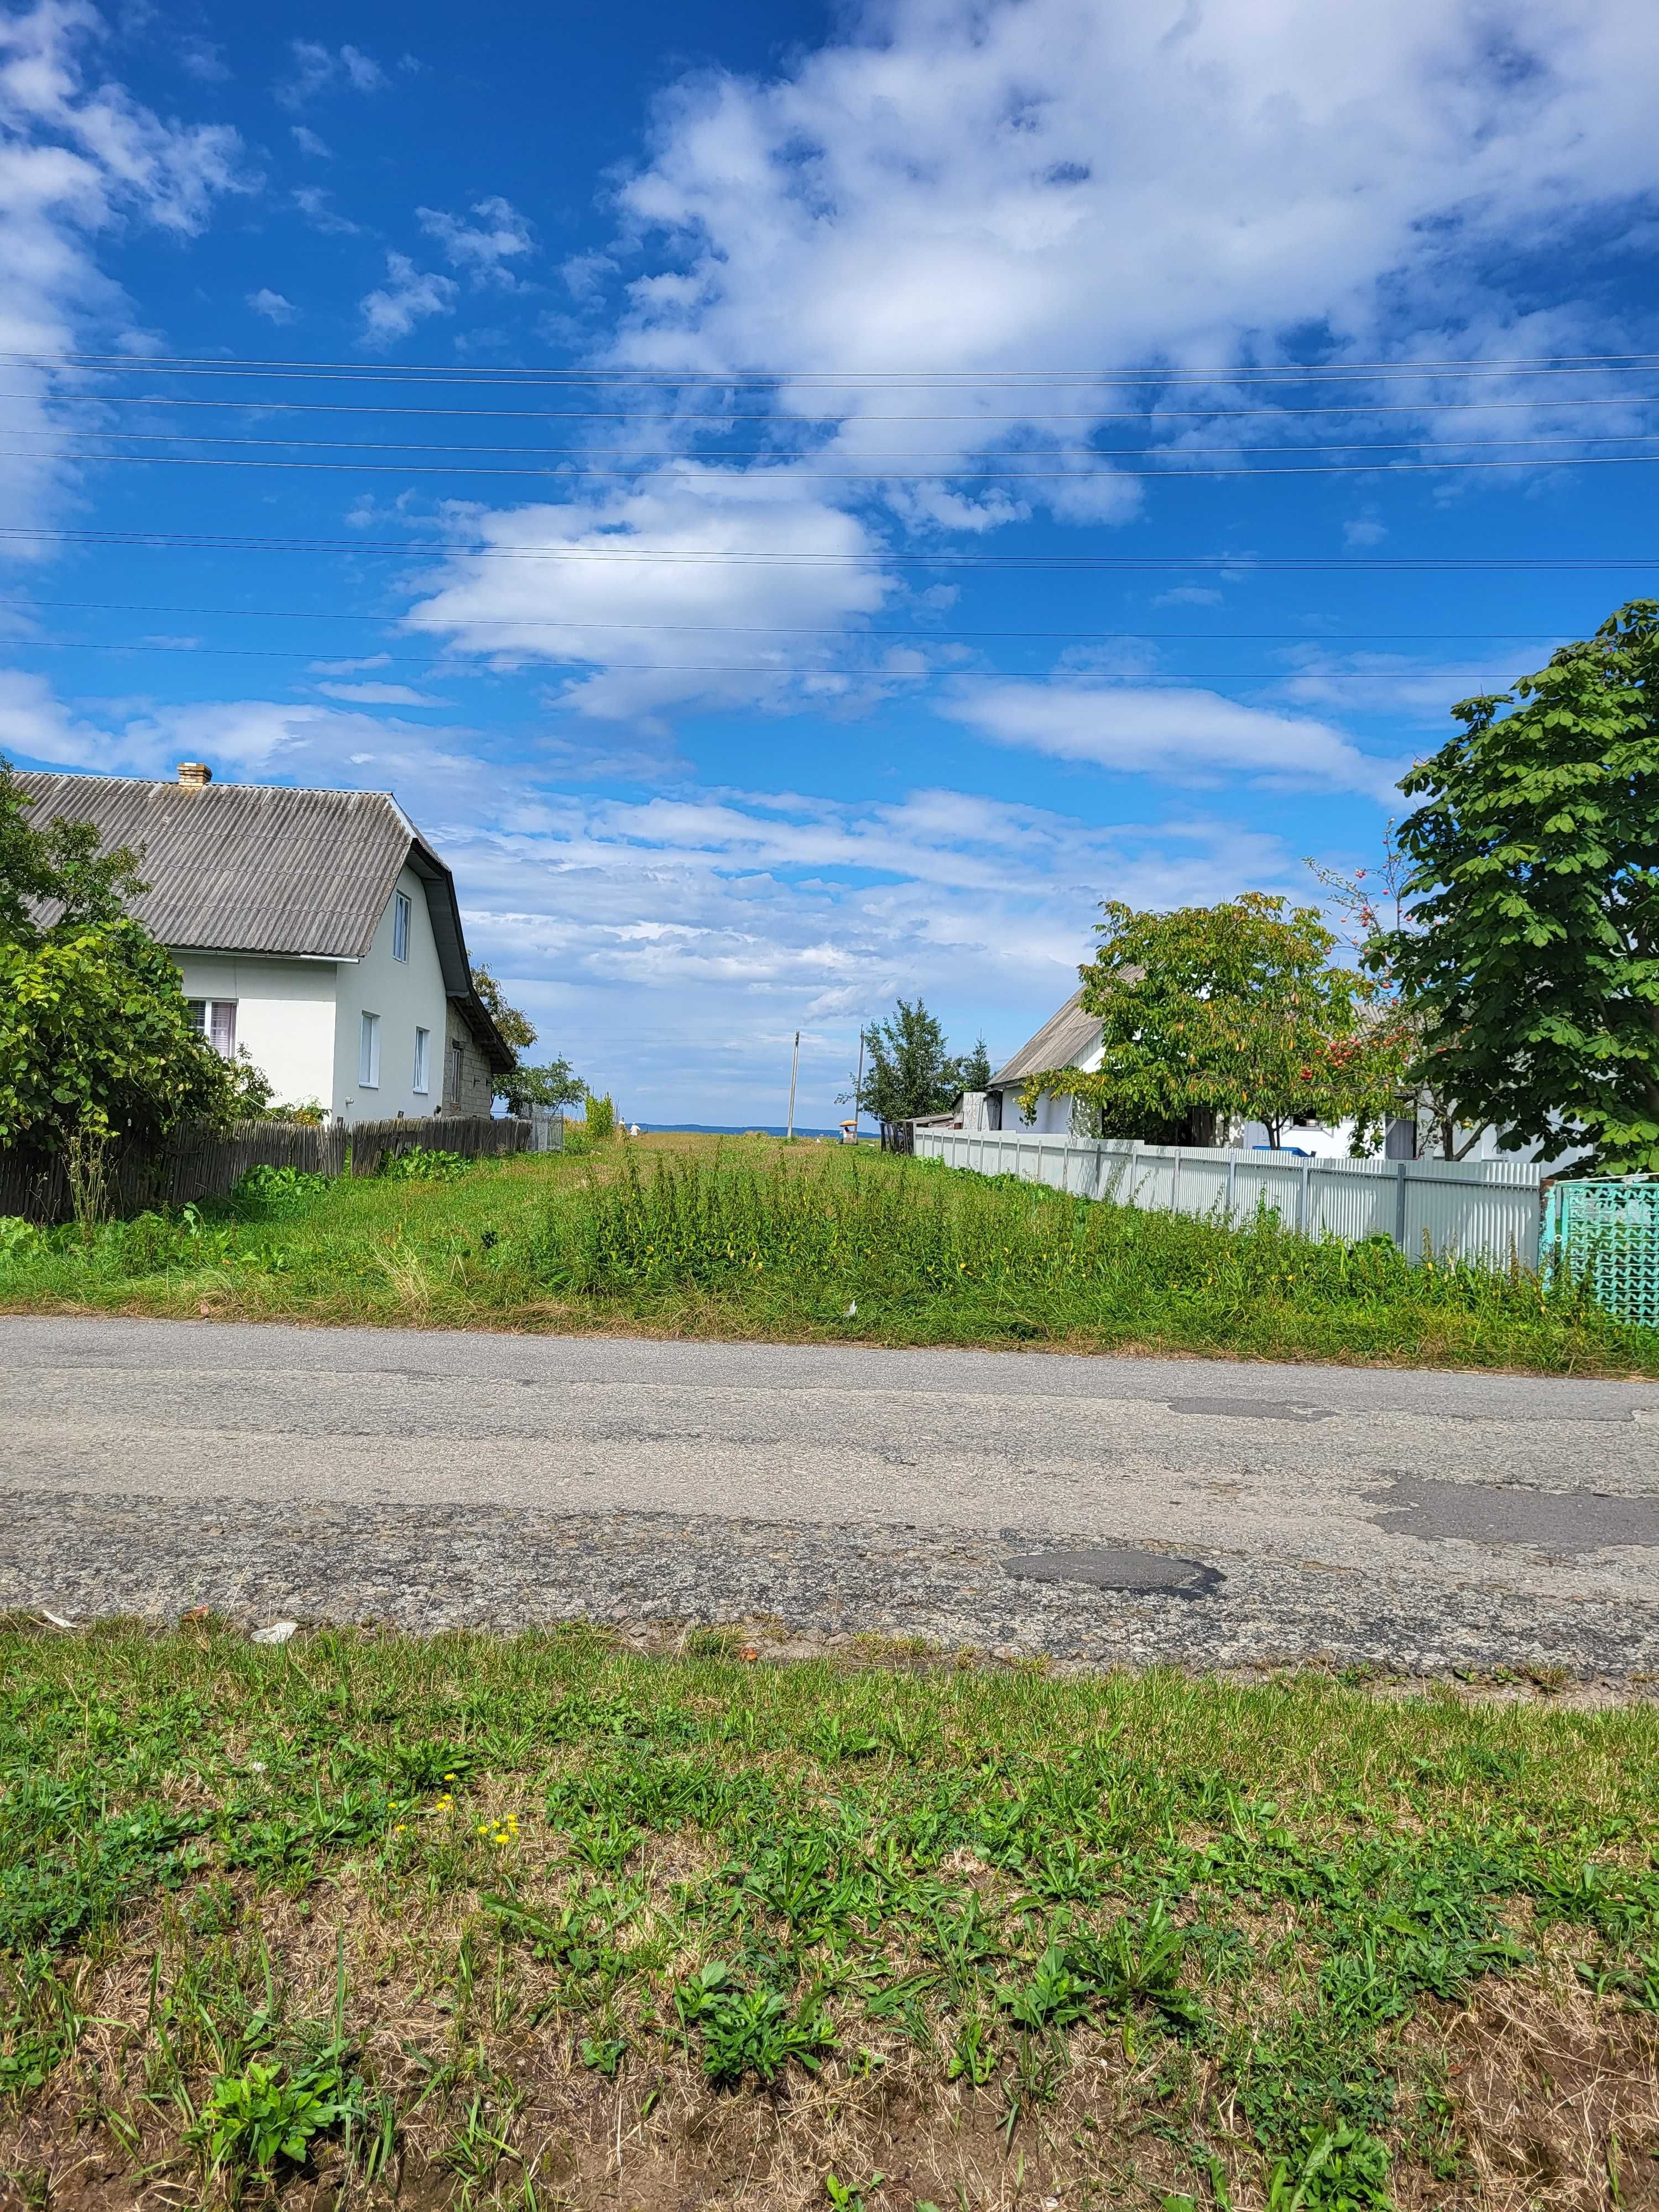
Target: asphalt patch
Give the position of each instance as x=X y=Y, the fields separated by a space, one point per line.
x=1565 y=1522
x=1252 y=1409
x=1142 y=1573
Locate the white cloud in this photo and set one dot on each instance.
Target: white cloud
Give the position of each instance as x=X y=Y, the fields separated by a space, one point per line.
x=377 y=695
x=408 y=296
x=357 y=668
x=82 y=161
x=319 y=69
x=787 y=557
x=272 y=304
x=309 y=144
x=204 y=60
x=480 y=249
x=314 y=202
x=1193 y=736
x=1057 y=186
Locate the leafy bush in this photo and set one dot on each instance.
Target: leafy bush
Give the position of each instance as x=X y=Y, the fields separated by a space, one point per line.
x=18 y=1238
x=415 y=1163
x=267 y=1190
x=601 y=1118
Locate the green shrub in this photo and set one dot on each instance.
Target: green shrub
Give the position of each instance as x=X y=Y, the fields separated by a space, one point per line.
x=18 y=1238
x=415 y=1163
x=267 y=1190
x=601 y=1118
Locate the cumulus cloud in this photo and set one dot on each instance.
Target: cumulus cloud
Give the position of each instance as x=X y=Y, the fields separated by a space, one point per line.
x=273 y=306
x=1059 y=187
x=483 y=248
x=652 y=579
x=82 y=161
x=408 y=296
x=319 y=69
x=1194 y=736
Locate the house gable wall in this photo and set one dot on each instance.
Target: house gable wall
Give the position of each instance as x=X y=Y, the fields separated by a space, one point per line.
x=406 y=994
x=285 y=1014
x=476 y=1091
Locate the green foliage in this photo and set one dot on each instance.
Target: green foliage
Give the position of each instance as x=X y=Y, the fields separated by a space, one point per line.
x=95 y=1036
x=1532 y=948
x=516 y=1031
x=908 y=1069
x=1211 y=1014
x=1024 y=1863
x=254 y=2117
x=556 y=1085
x=18 y=1238
x=601 y=1119
x=267 y=1190
x=416 y=1163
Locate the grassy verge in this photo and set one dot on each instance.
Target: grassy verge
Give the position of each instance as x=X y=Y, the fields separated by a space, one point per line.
x=753 y=1239
x=540 y=1922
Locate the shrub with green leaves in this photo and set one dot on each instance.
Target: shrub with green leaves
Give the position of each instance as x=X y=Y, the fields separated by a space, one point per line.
x=418 y=1163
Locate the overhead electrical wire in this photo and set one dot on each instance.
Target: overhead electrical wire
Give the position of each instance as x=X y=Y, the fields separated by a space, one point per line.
x=478 y=375
x=866 y=475
x=1154 y=410
x=1356 y=563
x=625 y=459
x=440 y=662
x=805 y=629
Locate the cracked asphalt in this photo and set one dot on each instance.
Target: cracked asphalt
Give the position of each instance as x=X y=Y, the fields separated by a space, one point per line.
x=1106 y=1510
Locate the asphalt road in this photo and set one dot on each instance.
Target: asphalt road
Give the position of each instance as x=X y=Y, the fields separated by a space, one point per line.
x=1100 y=1508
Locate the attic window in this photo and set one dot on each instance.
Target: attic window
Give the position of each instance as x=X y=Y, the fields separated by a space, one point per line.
x=400 y=927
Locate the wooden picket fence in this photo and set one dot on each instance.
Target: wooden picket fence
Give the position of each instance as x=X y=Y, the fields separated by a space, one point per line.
x=199 y=1165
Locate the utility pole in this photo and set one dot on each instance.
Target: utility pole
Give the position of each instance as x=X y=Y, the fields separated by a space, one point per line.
x=794 y=1063
x=858 y=1086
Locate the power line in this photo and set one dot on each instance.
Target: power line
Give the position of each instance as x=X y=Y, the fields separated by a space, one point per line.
x=1155 y=409
x=1085 y=677
x=397 y=372
x=866 y=475
x=805 y=630
x=1244 y=564
x=625 y=458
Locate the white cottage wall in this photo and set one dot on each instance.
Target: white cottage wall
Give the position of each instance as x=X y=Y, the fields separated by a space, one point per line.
x=284 y=1015
x=406 y=994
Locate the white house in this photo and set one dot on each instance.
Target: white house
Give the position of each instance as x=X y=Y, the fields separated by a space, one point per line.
x=316 y=930
x=1071 y=1038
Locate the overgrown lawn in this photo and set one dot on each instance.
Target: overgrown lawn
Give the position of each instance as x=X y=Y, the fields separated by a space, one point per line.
x=752 y=1238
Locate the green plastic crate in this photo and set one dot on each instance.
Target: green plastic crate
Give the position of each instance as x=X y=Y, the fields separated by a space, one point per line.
x=1605 y=1231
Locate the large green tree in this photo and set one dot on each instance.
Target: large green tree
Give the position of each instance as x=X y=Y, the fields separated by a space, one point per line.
x=1532 y=952
x=96 y=1038
x=1211 y=1014
x=555 y=1084
x=909 y=1069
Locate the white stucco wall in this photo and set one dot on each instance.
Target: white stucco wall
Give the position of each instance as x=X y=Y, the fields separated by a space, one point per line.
x=405 y=995
x=284 y=1015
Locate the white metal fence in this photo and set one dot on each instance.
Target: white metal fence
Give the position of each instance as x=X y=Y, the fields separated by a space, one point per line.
x=1485 y=1210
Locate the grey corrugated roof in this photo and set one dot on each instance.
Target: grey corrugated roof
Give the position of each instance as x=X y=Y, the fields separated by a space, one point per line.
x=1062 y=1040
x=256 y=867
x=244 y=867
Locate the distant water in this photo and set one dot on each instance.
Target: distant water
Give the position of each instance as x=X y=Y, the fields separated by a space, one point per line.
x=733 y=1129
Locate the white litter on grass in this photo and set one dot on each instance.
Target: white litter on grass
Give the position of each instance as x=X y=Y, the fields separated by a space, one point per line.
x=278 y=1632
x=851 y=1310
x=56 y=1620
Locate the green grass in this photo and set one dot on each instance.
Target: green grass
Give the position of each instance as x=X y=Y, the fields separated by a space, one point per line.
x=755 y=1239
x=474 y=1919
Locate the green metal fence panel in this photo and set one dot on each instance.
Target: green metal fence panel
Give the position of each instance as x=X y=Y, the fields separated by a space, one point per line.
x=1604 y=1232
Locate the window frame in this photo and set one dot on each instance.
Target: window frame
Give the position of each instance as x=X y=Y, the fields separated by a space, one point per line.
x=402 y=917
x=205 y=1012
x=421 y=1084
x=368 y=1050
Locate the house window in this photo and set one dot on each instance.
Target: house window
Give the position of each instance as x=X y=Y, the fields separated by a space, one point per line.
x=368 y=1054
x=216 y=1020
x=457 y=1067
x=423 y=1060
x=399 y=926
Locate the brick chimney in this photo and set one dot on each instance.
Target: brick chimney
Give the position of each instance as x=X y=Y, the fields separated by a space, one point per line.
x=194 y=773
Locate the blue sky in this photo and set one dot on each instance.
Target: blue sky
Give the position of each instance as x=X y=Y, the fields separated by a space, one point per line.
x=800 y=506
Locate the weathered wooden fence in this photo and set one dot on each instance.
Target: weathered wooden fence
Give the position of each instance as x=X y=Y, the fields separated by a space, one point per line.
x=198 y=1165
